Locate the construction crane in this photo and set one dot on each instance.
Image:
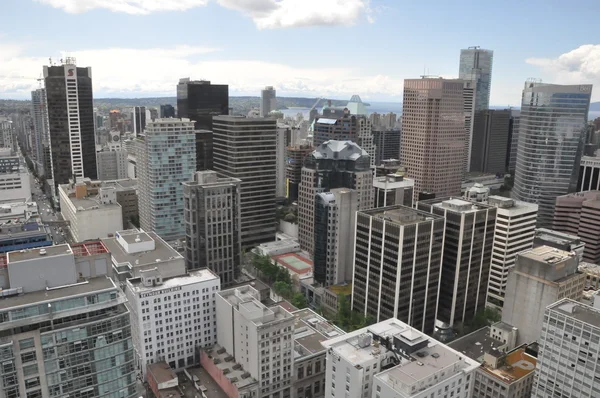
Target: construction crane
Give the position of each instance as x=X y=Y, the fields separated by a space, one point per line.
x=316 y=103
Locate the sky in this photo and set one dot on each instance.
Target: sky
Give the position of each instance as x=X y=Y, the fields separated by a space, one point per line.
x=308 y=48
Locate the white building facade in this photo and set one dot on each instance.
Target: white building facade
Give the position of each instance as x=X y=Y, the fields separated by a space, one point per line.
x=171 y=317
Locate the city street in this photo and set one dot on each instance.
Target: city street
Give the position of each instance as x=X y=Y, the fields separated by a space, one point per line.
x=47 y=213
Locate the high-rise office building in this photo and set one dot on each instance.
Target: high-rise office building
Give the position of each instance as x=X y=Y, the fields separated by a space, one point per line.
x=39 y=113
x=70 y=108
x=112 y=165
x=293 y=168
x=515 y=230
x=138 y=118
x=204 y=150
x=490 y=141
x=364 y=137
x=166 y=159
x=468 y=242
x=589 y=173
x=212 y=224
x=245 y=148
x=167 y=111
x=551 y=138
x=387 y=144
x=65 y=328
x=515 y=121
x=333 y=164
x=397 y=265
x=268 y=101
x=579 y=214
x=282 y=137
x=476 y=66
x=200 y=101
x=469 y=112
x=540 y=277
x=342 y=128
x=15 y=184
x=335 y=217
x=568 y=351
x=393 y=189
x=433 y=134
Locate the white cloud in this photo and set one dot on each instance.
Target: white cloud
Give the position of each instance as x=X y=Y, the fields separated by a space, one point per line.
x=126 y=72
x=579 y=66
x=266 y=14
x=139 y=7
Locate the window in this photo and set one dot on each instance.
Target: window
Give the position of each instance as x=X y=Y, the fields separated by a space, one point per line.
x=28 y=357
x=26 y=344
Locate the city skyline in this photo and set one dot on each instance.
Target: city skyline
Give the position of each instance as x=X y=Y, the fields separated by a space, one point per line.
x=270 y=46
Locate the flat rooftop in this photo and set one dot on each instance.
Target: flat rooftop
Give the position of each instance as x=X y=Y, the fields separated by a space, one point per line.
x=201 y=275
x=556 y=237
x=311 y=330
x=248 y=298
x=475 y=344
x=161 y=372
x=401 y=215
x=580 y=312
x=162 y=252
x=457 y=205
x=232 y=370
x=517 y=364
x=294 y=262
x=589 y=268
x=88 y=249
x=39 y=252
x=80 y=289
x=547 y=254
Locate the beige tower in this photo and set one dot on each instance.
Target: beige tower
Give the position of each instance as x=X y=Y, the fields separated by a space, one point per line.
x=433 y=134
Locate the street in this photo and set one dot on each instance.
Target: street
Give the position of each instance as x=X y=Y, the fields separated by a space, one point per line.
x=47 y=213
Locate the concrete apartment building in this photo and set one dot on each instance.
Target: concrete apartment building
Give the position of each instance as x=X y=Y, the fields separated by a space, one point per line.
x=212 y=224
x=490 y=140
x=333 y=164
x=335 y=218
x=397 y=265
x=468 y=243
x=92 y=214
x=390 y=359
x=567 y=362
x=261 y=339
x=514 y=232
x=295 y=156
x=310 y=330
x=245 y=148
x=15 y=184
x=579 y=214
x=393 y=189
x=112 y=164
x=551 y=135
x=166 y=158
x=133 y=251
x=540 y=277
x=433 y=146
x=161 y=308
x=65 y=333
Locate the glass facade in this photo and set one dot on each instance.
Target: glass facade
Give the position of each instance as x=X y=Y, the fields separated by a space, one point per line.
x=550 y=144
x=476 y=65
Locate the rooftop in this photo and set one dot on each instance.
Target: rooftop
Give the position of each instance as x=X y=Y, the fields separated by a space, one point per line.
x=547 y=254
x=516 y=365
x=401 y=215
x=458 y=205
x=475 y=344
x=88 y=248
x=511 y=206
x=589 y=268
x=232 y=370
x=161 y=372
x=339 y=150
x=580 y=312
x=192 y=277
x=79 y=289
x=122 y=185
x=161 y=252
x=246 y=300
x=39 y=252
x=311 y=330
x=294 y=262
x=556 y=236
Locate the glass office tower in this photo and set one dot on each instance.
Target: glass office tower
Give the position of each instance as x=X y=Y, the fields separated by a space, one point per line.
x=476 y=65
x=551 y=138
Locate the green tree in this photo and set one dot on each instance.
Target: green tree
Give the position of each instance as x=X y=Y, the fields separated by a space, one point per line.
x=283 y=289
x=299 y=301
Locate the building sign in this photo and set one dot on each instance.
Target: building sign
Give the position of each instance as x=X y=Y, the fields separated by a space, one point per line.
x=159 y=292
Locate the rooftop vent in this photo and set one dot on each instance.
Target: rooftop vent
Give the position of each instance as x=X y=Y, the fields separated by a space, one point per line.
x=137 y=239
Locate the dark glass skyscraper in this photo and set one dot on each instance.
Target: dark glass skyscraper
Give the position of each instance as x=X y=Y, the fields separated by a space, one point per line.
x=71 y=121
x=167 y=111
x=476 y=66
x=552 y=132
x=200 y=101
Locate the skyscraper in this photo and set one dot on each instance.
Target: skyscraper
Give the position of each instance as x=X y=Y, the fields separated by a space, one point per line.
x=166 y=159
x=204 y=150
x=476 y=65
x=245 y=148
x=167 y=111
x=71 y=121
x=469 y=112
x=268 y=101
x=515 y=230
x=293 y=168
x=433 y=134
x=551 y=137
x=334 y=164
x=397 y=265
x=344 y=128
x=40 y=126
x=212 y=224
x=138 y=117
x=200 y=101
x=567 y=360
x=490 y=141
x=468 y=242
x=515 y=121
x=335 y=217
